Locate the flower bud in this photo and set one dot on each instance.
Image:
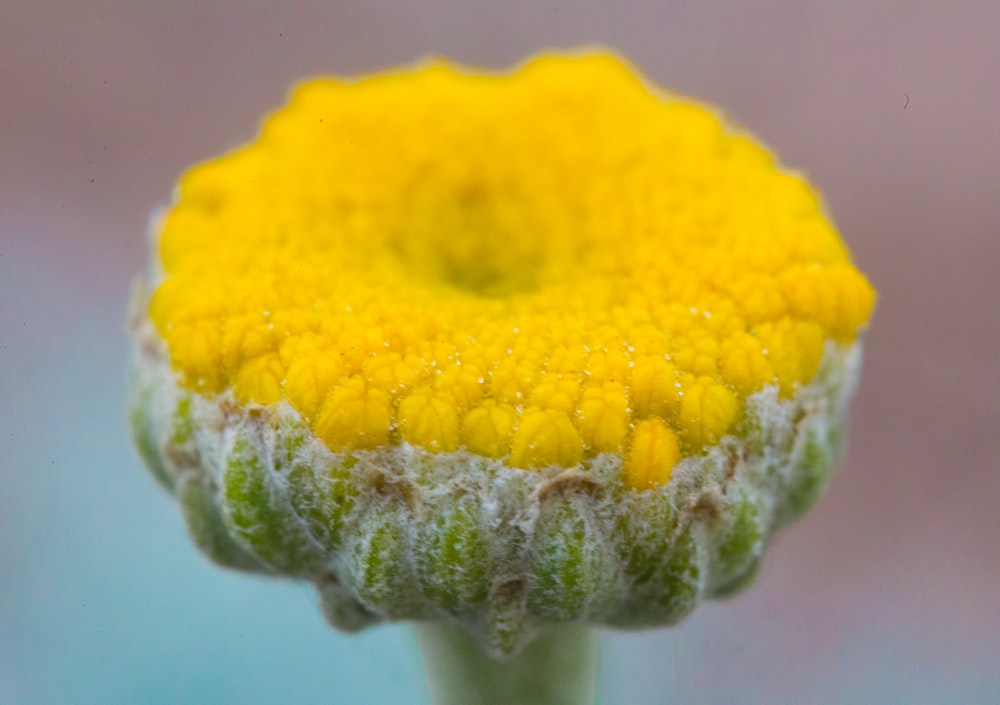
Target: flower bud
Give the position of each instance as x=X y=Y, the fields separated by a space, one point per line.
x=508 y=351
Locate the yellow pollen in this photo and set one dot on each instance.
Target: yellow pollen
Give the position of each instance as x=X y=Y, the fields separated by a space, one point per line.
x=537 y=266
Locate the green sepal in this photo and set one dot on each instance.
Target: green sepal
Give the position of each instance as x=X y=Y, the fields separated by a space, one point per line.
x=742 y=582
x=181 y=423
x=812 y=473
x=321 y=492
x=207 y=527
x=574 y=571
x=504 y=632
x=451 y=555
x=340 y=607
x=143 y=435
x=738 y=535
x=258 y=514
x=663 y=565
x=379 y=564
x=181 y=449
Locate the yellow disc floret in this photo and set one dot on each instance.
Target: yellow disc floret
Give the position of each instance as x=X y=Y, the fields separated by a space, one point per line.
x=539 y=267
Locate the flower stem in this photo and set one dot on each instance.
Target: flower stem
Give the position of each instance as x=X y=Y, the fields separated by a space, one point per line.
x=558 y=668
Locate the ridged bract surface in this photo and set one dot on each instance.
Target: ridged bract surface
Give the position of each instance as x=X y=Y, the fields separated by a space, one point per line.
x=404 y=533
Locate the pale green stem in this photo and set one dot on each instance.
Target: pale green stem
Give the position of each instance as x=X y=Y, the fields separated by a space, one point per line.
x=558 y=668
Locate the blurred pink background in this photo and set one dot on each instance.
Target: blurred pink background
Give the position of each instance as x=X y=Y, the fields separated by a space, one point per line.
x=886 y=592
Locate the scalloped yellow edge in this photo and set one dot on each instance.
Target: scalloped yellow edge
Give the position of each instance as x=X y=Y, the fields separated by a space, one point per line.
x=540 y=265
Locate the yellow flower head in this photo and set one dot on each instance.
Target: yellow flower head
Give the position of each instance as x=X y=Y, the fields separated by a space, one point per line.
x=542 y=266
x=560 y=267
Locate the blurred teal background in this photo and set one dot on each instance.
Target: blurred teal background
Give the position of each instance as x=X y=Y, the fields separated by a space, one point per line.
x=885 y=593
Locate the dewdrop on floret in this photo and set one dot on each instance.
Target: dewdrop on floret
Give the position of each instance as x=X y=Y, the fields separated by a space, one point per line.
x=503 y=350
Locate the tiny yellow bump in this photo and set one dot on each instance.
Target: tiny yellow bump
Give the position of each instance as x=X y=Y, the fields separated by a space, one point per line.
x=556 y=392
x=245 y=338
x=794 y=349
x=707 y=410
x=653 y=387
x=487 y=429
x=603 y=416
x=567 y=361
x=463 y=382
x=836 y=297
x=745 y=367
x=652 y=455
x=310 y=377
x=355 y=415
x=427 y=418
x=394 y=373
x=260 y=380
x=545 y=437
x=697 y=353
x=513 y=378
x=196 y=350
x=758 y=296
x=608 y=365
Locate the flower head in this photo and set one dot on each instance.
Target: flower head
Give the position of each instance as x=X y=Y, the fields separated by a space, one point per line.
x=511 y=349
